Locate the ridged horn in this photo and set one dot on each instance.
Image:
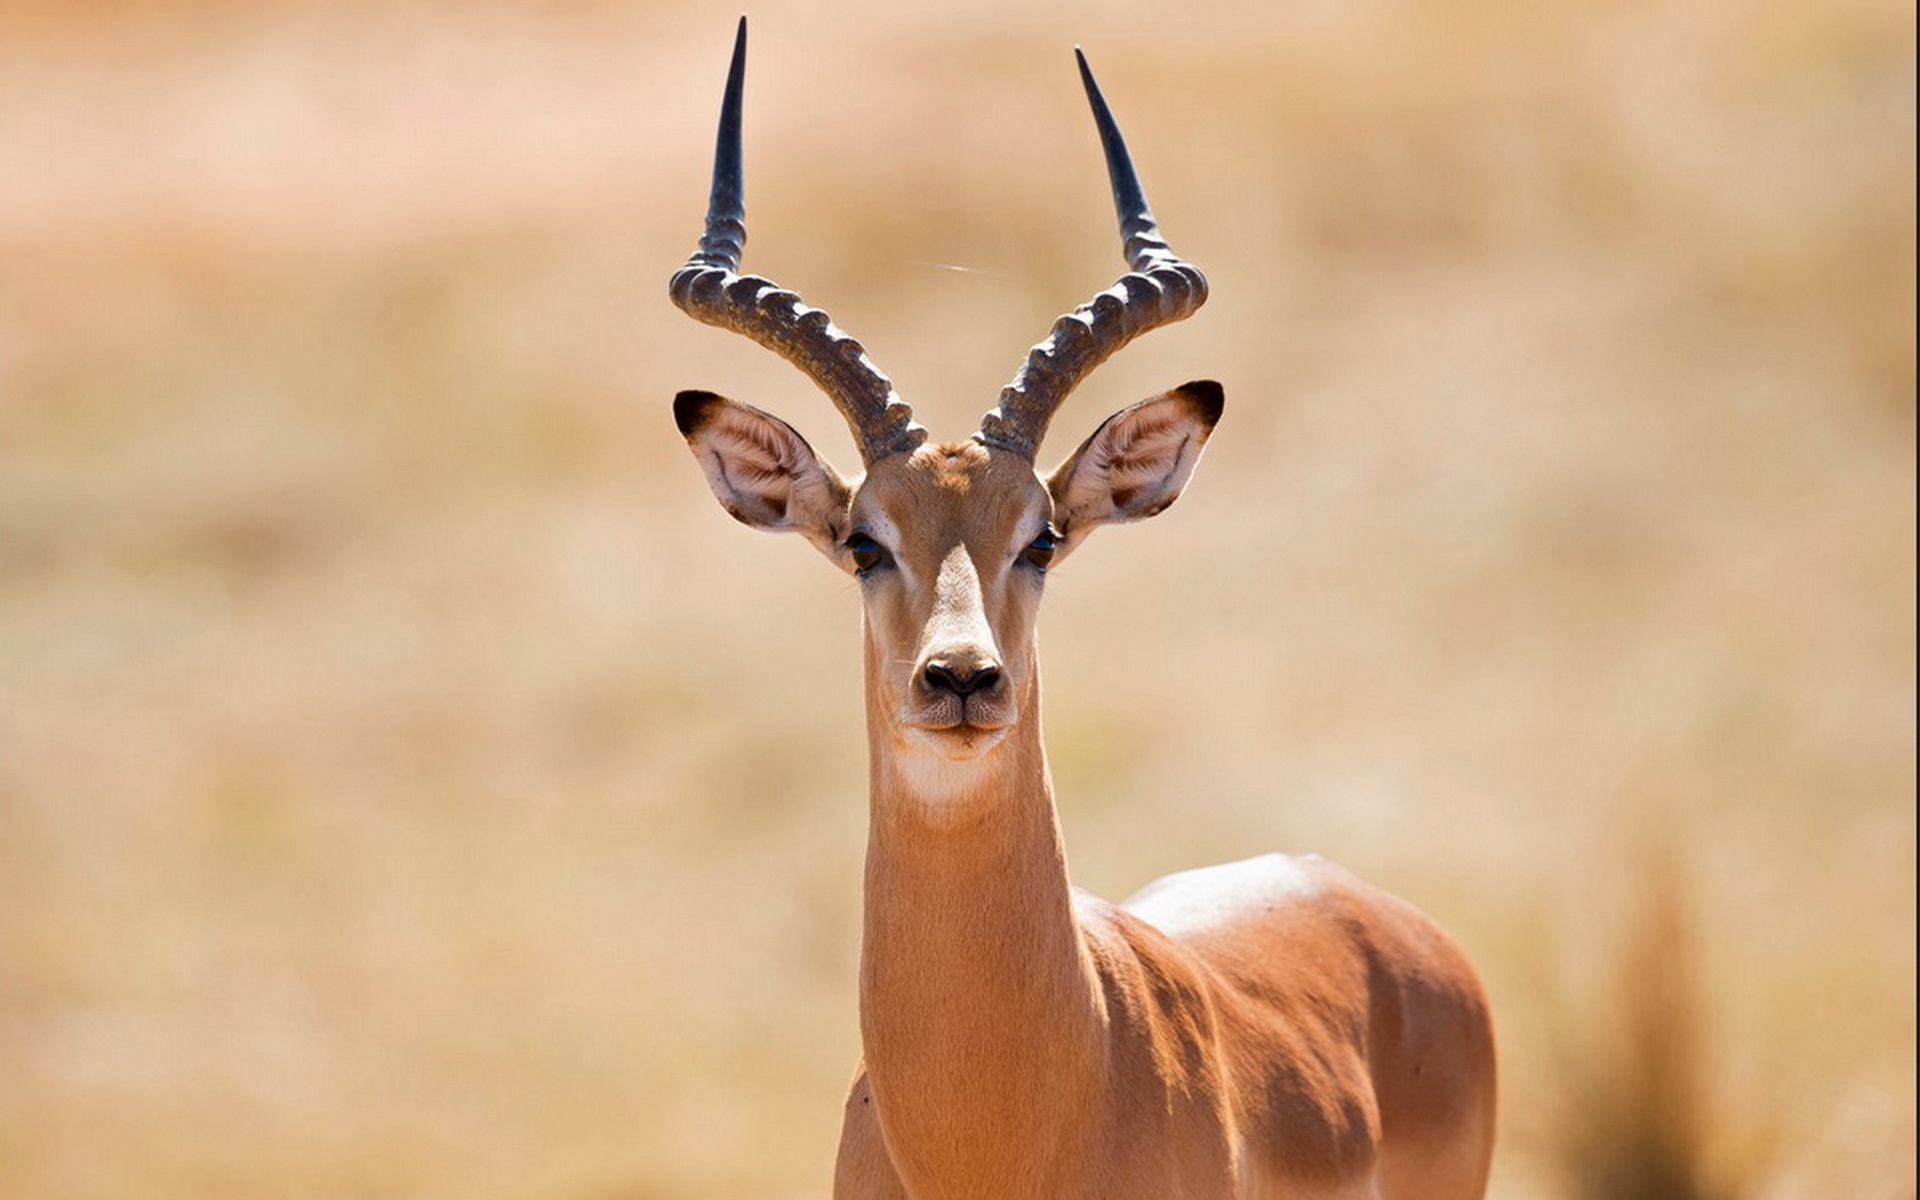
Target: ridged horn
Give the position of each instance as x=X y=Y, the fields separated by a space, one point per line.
x=1159 y=289
x=710 y=289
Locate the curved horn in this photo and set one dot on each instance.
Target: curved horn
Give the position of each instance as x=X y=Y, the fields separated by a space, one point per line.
x=710 y=290
x=1160 y=289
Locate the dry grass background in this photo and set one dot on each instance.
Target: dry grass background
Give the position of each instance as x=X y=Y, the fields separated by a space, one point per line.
x=414 y=786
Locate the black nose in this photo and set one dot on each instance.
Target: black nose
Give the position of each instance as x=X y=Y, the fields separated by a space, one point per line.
x=962 y=679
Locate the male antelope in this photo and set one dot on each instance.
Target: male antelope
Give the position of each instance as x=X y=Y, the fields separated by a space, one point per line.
x=1273 y=1027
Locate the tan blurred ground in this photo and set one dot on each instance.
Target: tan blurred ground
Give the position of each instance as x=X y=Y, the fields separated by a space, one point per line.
x=414 y=786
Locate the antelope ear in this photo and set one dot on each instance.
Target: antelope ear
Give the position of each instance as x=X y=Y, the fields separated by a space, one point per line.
x=1135 y=464
x=762 y=471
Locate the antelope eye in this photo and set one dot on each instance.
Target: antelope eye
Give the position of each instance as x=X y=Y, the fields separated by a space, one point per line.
x=867 y=553
x=1040 y=551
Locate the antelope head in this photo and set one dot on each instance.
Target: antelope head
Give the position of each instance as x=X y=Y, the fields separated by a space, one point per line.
x=951 y=542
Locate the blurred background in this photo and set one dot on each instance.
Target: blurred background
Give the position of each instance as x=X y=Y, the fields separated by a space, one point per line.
x=416 y=786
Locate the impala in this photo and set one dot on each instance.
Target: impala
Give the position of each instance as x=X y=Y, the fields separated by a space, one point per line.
x=1266 y=1028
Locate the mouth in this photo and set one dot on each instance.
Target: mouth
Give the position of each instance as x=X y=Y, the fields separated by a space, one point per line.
x=959 y=740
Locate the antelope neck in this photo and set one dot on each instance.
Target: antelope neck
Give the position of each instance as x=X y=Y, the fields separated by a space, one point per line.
x=975 y=988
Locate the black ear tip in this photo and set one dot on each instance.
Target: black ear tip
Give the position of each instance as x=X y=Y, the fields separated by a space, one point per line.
x=691 y=410
x=1207 y=396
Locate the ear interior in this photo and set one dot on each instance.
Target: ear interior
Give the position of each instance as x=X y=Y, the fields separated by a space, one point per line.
x=1138 y=461
x=760 y=469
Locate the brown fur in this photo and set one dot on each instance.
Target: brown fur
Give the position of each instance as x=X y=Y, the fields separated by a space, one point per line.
x=1273 y=1028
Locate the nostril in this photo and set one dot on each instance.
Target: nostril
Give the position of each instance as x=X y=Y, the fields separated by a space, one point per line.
x=960 y=680
x=940 y=678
